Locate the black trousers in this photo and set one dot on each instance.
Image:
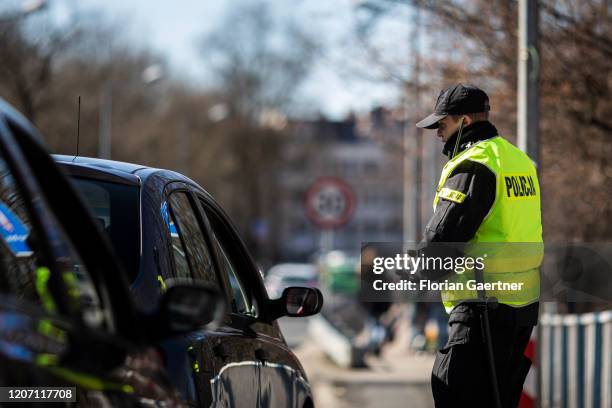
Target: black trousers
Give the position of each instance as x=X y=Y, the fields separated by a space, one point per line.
x=461 y=374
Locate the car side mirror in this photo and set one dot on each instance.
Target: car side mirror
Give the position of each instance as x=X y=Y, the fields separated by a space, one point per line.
x=187 y=306
x=301 y=301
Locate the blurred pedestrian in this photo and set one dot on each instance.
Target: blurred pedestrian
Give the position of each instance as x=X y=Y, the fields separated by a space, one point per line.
x=488 y=193
x=422 y=316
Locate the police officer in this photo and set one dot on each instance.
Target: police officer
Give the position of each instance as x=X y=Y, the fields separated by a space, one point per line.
x=488 y=193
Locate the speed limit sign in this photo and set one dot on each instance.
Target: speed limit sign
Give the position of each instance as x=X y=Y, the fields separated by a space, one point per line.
x=330 y=202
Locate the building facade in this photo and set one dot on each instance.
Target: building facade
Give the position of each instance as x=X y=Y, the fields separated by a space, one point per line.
x=363 y=153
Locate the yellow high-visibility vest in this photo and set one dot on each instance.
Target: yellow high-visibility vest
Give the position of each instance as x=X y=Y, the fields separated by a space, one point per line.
x=511 y=233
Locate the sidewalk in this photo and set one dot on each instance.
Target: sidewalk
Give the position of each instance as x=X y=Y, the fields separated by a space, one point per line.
x=396 y=379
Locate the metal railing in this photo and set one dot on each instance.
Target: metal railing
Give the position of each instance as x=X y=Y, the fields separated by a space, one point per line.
x=575 y=364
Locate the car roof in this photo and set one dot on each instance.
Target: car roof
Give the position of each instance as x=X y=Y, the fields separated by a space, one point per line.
x=109 y=170
x=116 y=171
x=102 y=164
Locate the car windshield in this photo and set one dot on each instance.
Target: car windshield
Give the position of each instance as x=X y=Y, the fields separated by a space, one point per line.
x=116 y=209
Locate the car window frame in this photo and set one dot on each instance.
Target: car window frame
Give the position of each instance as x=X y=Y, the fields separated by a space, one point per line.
x=172 y=217
x=179 y=186
x=237 y=249
x=27 y=157
x=14 y=157
x=243 y=288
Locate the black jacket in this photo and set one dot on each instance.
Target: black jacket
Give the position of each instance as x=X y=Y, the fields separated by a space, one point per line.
x=458 y=222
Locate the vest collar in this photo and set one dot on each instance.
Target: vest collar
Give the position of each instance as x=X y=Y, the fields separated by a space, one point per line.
x=471 y=134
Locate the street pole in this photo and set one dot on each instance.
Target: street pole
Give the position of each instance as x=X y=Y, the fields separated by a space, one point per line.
x=106 y=122
x=418 y=132
x=528 y=116
x=149 y=76
x=326 y=240
x=412 y=154
x=528 y=80
x=413 y=144
x=184 y=145
x=407 y=211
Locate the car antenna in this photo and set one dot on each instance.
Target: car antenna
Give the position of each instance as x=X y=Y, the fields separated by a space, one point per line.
x=78 y=128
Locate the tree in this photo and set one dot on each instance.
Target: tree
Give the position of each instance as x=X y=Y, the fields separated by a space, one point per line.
x=476 y=41
x=257 y=64
x=26 y=67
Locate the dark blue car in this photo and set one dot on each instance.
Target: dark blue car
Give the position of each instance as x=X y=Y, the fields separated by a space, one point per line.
x=67 y=318
x=164 y=227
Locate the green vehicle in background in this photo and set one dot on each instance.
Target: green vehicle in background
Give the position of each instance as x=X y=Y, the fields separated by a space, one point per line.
x=340 y=273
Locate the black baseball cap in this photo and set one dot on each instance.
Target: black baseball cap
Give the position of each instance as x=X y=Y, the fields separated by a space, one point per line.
x=457 y=100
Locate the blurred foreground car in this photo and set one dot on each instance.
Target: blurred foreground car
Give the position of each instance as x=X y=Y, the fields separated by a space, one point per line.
x=164 y=226
x=66 y=315
x=284 y=275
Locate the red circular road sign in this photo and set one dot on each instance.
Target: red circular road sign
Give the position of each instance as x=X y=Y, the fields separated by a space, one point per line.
x=330 y=202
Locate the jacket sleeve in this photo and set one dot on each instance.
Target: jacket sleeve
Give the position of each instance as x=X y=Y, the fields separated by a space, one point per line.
x=472 y=188
x=454 y=221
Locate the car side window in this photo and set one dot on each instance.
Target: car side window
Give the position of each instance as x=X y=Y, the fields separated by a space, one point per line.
x=191 y=254
x=241 y=299
x=179 y=253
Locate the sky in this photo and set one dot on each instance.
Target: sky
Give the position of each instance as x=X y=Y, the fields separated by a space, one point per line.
x=173 y=28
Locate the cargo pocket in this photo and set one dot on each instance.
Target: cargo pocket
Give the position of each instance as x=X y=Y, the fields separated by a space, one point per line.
x=440 y=378
x=453 y=381
x=441 y=364
x=461 y=323
x=447 y=358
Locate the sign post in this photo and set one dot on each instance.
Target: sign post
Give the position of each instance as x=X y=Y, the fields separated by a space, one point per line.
x=330 y=203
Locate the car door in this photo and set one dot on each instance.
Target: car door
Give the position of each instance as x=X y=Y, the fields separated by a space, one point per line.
x=281 y=379
x=224 y=371
x=51 y=295
x=65 y=312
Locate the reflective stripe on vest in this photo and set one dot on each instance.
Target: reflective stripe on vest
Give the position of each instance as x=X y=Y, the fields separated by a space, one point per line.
x=515 y=219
